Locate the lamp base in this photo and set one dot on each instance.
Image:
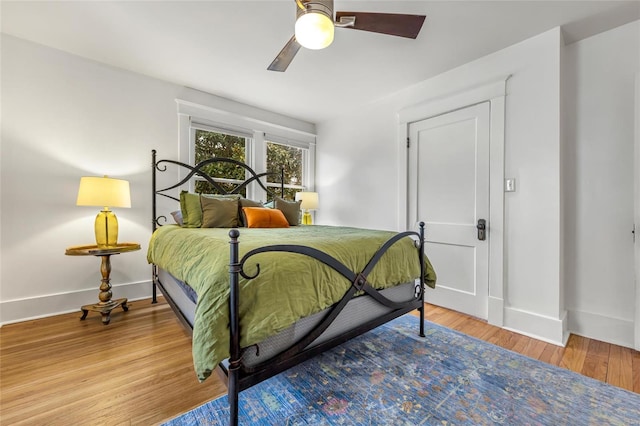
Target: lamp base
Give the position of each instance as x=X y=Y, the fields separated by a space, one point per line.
x=106 y=228
x=306 y=218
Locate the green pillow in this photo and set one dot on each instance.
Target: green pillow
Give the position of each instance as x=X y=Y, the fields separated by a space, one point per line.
x=219 y=212
x=192 y=209
x=291 y=210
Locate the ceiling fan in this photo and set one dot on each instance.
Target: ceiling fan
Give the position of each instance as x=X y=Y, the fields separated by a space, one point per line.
x=315 y=26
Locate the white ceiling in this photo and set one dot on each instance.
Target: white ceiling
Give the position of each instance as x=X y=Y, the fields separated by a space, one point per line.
x=224 y=47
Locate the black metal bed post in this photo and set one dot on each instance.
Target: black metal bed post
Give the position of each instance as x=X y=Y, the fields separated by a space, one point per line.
x=154 y=271
x=234 y=328
x=282 y=182
x=422 y=289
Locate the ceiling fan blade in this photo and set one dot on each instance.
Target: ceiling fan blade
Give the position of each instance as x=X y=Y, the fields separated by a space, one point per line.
x=286 y=55
x=386 y=23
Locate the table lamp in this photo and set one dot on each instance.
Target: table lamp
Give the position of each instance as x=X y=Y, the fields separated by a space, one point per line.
x=106 y=192
x=309 y=202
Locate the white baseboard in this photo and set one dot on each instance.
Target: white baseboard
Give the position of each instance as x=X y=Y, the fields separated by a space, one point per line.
x=599 y=327
x=548 y=329
x=19 y=310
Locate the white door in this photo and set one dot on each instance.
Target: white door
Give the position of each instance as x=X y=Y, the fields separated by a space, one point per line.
x=449 y=191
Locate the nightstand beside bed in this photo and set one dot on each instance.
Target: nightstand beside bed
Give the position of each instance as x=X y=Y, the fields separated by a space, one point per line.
x=105 y=305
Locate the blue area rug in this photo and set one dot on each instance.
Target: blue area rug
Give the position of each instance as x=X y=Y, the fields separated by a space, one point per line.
x=390 y=376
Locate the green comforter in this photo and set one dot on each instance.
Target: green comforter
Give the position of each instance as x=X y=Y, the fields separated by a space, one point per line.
x=289 y=287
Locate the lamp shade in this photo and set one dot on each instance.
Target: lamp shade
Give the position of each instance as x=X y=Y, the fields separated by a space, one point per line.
x=309 y=200
x=103 y=191
x=314 y=30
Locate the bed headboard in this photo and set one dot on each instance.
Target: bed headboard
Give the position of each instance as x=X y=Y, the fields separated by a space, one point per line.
x=159 y=166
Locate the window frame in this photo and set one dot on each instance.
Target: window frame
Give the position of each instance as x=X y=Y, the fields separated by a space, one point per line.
x=257 y=134
x=306 y=177
x=194 y=127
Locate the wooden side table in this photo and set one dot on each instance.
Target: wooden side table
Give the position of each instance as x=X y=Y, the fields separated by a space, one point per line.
x=106 y=305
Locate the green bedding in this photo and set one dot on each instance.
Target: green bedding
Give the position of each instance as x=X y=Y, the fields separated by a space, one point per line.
x=289 y=287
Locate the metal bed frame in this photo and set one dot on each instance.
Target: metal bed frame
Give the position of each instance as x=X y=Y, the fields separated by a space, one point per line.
x=241 y=377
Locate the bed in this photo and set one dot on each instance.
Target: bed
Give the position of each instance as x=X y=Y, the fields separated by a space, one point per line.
x=260 y=300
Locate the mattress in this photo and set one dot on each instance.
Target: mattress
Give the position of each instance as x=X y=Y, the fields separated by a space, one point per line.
x=358 y=311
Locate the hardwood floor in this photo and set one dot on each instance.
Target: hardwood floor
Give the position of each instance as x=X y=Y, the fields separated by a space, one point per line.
x=609 y=363
x=138 y=370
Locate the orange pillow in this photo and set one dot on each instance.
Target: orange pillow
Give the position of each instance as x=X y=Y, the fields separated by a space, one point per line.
x=260 y=217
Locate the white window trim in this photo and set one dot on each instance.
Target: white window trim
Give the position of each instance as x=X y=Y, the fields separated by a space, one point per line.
x=307 y=164
x=259 y=130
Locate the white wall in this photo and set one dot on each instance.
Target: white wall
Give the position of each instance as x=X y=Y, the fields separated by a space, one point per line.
x=561 y=245
x=64 y=117
x=362 y=147
x=599 y=172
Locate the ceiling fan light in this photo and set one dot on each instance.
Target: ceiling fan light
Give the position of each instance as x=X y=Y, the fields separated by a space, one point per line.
x=314 y=30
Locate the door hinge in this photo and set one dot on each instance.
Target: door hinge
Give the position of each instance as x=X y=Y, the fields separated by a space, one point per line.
x=633 y=232
x=408 y=143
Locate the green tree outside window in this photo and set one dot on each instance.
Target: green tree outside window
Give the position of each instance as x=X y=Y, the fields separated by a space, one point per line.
x=288 y=158
x=214 y=144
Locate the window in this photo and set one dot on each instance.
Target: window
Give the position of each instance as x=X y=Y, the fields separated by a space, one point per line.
x=281 y=157
x=208 y=144
x=264 y=141
x=289 y=160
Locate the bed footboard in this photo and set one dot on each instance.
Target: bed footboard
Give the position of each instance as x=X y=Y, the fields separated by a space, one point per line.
x=241 y=377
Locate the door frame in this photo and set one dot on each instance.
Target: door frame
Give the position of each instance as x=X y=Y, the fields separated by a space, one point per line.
x=636 y=168
x=494 y=93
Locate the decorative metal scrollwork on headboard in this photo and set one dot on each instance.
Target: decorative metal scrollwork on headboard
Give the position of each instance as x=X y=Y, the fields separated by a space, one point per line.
x=198 y=170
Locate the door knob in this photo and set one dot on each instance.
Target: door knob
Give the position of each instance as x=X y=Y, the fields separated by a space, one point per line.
x=482 y=229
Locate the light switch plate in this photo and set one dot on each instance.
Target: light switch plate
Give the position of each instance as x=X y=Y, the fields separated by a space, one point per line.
x=510 y=185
